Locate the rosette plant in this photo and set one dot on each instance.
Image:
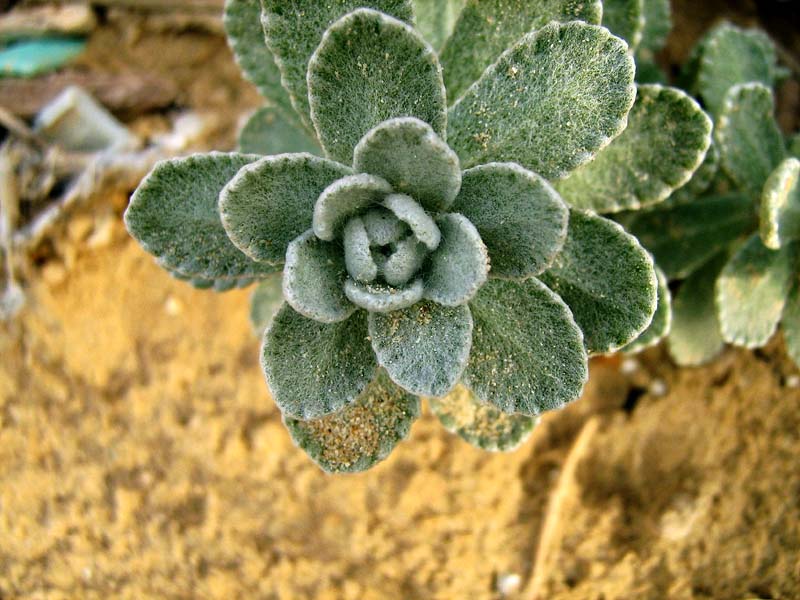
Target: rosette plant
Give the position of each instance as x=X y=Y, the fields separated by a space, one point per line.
x=406 y=210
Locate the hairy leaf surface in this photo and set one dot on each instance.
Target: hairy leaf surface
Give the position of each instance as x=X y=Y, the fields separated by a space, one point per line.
x=265 y=301
x=486 y=28
x=527 y=351
x=361 y=434
x=369 y=68
x=791 y=324
x=312 y=368
x=520 y=217
x=268 y=132
x=625 y=18
x=780 y=205
x=662 y=319
x=666 y=140
x=436 y=19
x=424 y=348
x=607 y=279
x=549 y=103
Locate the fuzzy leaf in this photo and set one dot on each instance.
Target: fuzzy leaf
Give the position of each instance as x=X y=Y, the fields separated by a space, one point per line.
x=268 y=132
x=220 y=284
x=344 y=198
x=436 y=19
x=413 y=215
x=173 y=215
x=382 y=298
x=662 y=319
x=312 y=368
x=684 y=237
x=527 y=351
x=607 y=279
x=791 y=324
x=730 y=56
x=780 y=205
x=405 y=261
x=695 y=337
x=480 y=424
x=313 y=279
x=294 y=29
x=357 y=253
x=657 y=23
x=424 y=347
x=752 y=290
x=271 y=202
x=407 y=153
x=459 y=266
x=242 y=19
x=666 y=140
x=701 y=180
x=383 y=227
x=650 y=72
x=486 y=28
x=520 y=217
x=265 y=301
x=750 y=141
x=369 y=68
x=361 y=434
x=625 y=18
x=549 y=103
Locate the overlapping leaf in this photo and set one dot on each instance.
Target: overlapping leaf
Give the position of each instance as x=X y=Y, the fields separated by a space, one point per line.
x=361 y=434
x=791 y=323
x=666 y=139
x=435 y=19
x=549 y=103
x=485 y=28
x=267 y=132
x=626 y=19
x=662 y=319
x=780 y=205
x=607 y=279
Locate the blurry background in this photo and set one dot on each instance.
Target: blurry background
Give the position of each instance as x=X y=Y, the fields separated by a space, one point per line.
x=141 y=456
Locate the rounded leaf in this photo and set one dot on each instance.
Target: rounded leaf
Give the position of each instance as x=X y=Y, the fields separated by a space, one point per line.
x=549 y=103
x=662 y=319
x=486 y=28
x=752 y=290
x=344 y=198
x=412 y=214
x=424 y=348
x=368 y=68
x=657 y=24
x=268 y=132
x=407 y=153
x=695 y=337
x=791 y=324
x=519 y=216
x=312 y=368
x=361 y=434
x=607 y=279
x=378 y=297
x=265 y=301
x=750 y=141
x=666 y=140
x=780 y=205
x=173 y=214
x=527 y=351
x=357 y=253
x=313 y=279
x=405 y=261
x=294 y=29
x=435 y=19
x=271 y=202
x=459 y=266
x=625 y=18
x=480 y=424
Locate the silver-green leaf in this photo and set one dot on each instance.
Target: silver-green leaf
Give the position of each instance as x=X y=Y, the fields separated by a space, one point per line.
x=271 y=202
x=436 y=19
x=368 y=68
x=780 y=205
x=407 y=153
x=695 y=337
x=662 y=319
x=265 y=301
x=520 y=217
x=459 y=266
x=361 y=434
x=312 y=368
x=294 y=29
x=791 y=324
x=666 y=140
x=549 y=103
x=750 y=141
x=424 y=348
x=480 y=424
x=527 y=351
x=625 y=18
x=657 y=24
x=313 y=279
x=607 y=279
x=752 y=290
x=485 y=28
x=267 y=132
x=345 y=198
x=173 y=214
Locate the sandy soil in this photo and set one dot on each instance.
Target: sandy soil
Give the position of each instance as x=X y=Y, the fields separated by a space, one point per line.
x=141 y=456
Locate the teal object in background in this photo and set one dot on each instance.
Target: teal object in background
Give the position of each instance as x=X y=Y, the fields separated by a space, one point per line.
x=34 y=57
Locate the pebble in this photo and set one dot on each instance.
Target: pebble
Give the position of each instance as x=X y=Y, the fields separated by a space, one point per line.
x=508 y=583
x=658 y=387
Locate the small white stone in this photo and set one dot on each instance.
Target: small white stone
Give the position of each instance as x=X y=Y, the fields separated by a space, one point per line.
x=508 y=583
x=629 y=366
x=173 y=306
x=793 y=381
x=658 y=387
